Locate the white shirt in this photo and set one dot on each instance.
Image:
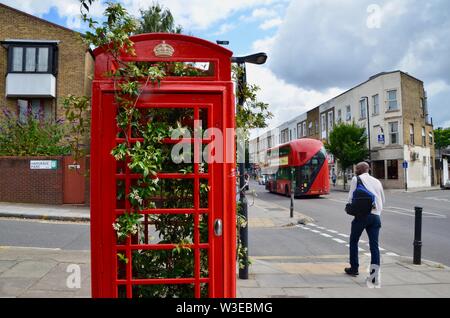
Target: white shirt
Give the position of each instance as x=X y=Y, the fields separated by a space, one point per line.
x=373 y=185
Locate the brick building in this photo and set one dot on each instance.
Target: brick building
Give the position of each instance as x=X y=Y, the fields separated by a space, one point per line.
x=40 y=63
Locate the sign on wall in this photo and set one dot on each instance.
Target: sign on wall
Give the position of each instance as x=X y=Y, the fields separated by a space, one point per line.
x=43 y=164
x=405 y=164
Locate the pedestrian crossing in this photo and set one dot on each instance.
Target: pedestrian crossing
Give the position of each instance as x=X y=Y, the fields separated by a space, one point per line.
x=338 y=238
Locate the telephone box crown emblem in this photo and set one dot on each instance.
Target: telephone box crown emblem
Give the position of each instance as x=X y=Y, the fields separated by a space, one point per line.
x=163 y=50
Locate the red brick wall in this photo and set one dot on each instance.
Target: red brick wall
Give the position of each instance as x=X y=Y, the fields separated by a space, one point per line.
x=20 y=184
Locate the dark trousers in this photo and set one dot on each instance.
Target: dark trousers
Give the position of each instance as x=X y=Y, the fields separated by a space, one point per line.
x=372 y=225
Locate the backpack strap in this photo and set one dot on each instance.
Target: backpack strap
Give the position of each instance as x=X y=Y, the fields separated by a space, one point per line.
x=359 y=181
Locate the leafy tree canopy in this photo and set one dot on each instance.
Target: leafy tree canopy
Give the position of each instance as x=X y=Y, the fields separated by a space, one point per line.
x=442 y=138
x=157 y=19
x=348 y=143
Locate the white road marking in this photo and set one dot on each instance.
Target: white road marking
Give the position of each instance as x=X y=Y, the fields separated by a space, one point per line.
x=412 y=214
x=340 y=201
x=389 y=209
x=424 y=212
x=437 y=199
x=391 y=254
x=337 y=240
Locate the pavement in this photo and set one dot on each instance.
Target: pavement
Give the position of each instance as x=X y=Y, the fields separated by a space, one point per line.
x=44 y=273
x=49 y=272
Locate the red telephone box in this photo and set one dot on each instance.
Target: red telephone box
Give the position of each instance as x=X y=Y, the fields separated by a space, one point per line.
x=207 y=97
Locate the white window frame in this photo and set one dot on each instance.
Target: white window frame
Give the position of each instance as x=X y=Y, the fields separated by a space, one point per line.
x=388 y=101
x=376 y=104
x=363 y=109
x=330 y=121
x=391 y=132
x=348 y=113
x=323 y=125
x=424 y=137
x=339 y=116
x=304 y=130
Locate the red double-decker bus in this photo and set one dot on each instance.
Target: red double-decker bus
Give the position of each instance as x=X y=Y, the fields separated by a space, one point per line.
x=305 y=162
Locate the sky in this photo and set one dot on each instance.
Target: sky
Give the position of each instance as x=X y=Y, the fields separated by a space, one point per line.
x=317 y=48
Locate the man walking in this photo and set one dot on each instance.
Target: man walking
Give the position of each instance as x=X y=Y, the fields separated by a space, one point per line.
x=371 y=222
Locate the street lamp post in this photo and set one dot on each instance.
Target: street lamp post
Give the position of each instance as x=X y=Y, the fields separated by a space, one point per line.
x=259 y=58
x=368 y=127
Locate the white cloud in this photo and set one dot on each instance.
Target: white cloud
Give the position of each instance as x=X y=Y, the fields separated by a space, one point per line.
x=69 y=9
x=332 y=37
x=263 y=45
x=224 y=28
x=262 y=13
x=286 y=100
x=192 y=14
x=437 y=87
x=199 y=14
x=272 y=23
x=337 y=43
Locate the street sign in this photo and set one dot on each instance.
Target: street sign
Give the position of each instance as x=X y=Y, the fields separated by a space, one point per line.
x=405 y=164
x=43 y=164
x=381 y=139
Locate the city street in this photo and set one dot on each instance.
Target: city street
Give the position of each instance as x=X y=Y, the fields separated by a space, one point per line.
x=289 y=259
x=329 y=232
x=44 y=234
x=329 y=237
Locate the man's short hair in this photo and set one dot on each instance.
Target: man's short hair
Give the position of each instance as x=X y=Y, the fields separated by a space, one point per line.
x=362 y=167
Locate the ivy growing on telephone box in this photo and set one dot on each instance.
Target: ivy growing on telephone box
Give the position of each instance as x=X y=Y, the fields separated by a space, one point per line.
x=150 y=155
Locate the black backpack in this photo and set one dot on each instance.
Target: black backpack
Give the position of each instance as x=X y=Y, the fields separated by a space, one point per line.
x=363 y=201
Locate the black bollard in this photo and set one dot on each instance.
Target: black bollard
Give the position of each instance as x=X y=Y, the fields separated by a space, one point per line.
x=418 y=237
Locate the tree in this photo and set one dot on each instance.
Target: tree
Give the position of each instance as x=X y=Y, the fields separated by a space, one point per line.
x=442 y=141
x=157 y=19
x=348 y=144
x=442 y=138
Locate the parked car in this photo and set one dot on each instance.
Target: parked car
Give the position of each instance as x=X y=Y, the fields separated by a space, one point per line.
x=447 y=184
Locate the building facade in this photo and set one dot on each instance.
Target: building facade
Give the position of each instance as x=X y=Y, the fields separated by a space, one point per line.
x=40 y=64
x=392 y=106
